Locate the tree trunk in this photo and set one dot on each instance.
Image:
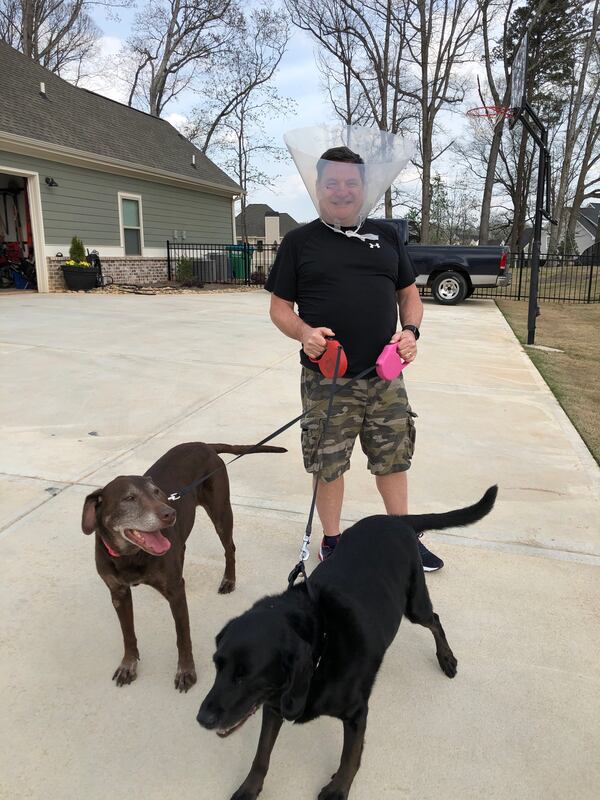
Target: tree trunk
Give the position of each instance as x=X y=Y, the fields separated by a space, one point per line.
x=581 y=181
x=486 y=205
x=520 y=197
x=389 y=212
x=27 y=37
x=426 y=196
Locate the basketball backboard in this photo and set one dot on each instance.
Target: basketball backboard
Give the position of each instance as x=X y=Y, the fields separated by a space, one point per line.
x=518 y=79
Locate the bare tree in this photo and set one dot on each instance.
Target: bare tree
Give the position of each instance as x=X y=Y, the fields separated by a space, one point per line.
x=241 y=144
x=363 y=43
x=56 y=34
x=243 y=69
x=588 y=183
x=172 y=39
x=582 y=124
x=443 y=37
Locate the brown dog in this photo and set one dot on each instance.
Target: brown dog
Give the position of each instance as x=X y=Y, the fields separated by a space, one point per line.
x=140 y=538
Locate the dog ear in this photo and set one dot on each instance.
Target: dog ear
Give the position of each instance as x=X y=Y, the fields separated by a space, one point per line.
x=90 y=506
x=299 y=667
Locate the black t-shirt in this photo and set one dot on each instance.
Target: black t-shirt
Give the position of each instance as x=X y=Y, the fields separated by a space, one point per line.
x=345 y=284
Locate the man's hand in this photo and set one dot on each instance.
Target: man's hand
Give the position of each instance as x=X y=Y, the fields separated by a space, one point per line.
x=407 y=345
x=314 y=342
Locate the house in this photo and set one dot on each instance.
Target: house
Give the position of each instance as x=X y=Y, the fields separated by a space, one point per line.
x=263 y=225
x=74 y=163
x=586 y=228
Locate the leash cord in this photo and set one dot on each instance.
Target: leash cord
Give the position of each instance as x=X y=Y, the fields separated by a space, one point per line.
x=190 y=488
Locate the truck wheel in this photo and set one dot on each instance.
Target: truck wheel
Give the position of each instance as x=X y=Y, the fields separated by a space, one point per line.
x=449 y=288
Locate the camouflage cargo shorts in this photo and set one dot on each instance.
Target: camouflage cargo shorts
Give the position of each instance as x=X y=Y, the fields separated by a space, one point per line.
x=375 y=410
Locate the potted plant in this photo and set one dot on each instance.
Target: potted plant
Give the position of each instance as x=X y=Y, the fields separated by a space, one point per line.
x=78 y=273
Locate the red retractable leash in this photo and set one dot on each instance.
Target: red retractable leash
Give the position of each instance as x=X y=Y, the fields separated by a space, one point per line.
x=328 y=360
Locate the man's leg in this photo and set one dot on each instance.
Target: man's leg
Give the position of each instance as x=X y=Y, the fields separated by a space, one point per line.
x=393 y=488
x=330 y=496
x=388 y=439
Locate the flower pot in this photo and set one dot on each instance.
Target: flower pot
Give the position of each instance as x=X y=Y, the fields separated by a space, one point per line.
x=81 y=278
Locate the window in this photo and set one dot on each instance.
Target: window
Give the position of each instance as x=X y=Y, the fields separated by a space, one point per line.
x=131 y=224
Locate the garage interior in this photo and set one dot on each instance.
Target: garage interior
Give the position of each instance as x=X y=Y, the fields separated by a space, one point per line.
x=17 y=257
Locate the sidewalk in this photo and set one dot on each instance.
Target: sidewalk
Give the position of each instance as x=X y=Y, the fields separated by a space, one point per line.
x=95 y=386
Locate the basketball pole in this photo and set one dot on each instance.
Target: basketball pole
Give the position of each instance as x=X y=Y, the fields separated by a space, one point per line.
x=542 y=209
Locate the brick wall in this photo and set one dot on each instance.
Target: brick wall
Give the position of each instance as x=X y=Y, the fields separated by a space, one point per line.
x=141 y=271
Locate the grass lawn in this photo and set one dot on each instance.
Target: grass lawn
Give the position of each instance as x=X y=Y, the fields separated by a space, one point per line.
x=573 y=375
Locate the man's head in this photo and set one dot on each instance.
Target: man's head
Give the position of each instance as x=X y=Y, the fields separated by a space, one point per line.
x=340 y=186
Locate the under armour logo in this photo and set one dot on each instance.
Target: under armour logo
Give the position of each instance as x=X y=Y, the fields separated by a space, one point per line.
x=373 y=245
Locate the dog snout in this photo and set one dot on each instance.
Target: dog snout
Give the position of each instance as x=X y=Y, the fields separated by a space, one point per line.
x=168 y=515
x=208 y=715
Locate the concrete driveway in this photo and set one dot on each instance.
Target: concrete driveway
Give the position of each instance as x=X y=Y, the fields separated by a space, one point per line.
x=95 y=386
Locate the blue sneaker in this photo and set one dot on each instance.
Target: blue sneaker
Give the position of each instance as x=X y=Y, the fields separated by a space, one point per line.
x=328 y=544
x=431 y=562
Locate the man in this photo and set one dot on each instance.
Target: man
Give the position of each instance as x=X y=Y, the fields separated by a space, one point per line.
x=349 y=280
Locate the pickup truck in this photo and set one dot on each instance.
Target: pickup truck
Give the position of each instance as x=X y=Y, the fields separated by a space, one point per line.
x=453 y=272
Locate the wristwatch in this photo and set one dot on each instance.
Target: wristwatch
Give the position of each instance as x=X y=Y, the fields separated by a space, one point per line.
x=413 y=329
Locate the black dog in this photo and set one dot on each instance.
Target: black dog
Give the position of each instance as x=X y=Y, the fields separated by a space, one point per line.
x=316 y=648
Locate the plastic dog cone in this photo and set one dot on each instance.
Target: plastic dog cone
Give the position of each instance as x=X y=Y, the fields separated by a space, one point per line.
x=345 y=193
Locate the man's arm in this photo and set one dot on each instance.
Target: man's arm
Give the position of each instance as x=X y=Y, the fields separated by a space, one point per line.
x=411 y=313
x=410 y=306
x=285 y=318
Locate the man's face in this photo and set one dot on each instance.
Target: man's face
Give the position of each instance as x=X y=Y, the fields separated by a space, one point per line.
x=340 y=191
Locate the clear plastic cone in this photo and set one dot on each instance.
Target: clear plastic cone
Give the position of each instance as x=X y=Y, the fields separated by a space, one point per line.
x=345 y=193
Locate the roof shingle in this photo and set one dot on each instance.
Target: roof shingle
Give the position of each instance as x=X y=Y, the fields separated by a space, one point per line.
x=90 y=123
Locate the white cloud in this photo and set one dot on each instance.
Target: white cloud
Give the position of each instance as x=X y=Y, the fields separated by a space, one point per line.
x=179 y=121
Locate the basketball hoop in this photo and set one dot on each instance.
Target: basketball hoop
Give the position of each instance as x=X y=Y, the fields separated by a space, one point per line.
x=485 y=119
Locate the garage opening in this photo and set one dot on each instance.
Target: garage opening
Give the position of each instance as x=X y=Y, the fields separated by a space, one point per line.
x=17 y=256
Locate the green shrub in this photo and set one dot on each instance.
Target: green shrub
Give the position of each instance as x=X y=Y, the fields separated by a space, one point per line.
x=76 y=250
x=185 y=271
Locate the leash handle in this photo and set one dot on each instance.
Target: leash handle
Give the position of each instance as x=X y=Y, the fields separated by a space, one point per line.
x=331 y=339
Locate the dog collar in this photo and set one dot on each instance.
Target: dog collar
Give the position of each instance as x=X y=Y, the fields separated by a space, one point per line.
x=111 y=552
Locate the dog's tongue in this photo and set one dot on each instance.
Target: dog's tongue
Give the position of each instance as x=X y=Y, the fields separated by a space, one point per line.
x=154 y=541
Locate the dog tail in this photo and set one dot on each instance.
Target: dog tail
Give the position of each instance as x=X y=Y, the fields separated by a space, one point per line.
x=454 y=519
x=242 y=449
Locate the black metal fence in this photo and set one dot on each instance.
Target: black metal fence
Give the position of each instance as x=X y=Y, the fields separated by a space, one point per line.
x=563 y=278
x=236 y=264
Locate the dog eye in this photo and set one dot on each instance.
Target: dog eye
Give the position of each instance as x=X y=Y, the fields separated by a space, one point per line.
x=129 y=498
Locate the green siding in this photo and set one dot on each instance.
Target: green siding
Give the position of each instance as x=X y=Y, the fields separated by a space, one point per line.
x=85 y=204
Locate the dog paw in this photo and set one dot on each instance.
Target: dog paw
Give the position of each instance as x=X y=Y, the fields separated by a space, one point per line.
x=226 y=586
x=448 y=663
x=185 y=678
x=125 y=673
x=330 y=792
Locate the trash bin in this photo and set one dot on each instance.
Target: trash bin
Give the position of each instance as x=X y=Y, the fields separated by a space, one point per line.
x=240 y=259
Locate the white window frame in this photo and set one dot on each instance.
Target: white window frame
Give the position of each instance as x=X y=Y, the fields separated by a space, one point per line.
x=129 y=196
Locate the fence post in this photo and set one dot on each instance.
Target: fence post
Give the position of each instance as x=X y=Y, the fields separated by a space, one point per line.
x=521 y=256
x=168 y=261
x=589 y=291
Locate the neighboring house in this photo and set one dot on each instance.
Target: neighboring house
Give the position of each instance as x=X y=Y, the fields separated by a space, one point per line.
x=263 y=225
x=586 y=229
x=74 y=163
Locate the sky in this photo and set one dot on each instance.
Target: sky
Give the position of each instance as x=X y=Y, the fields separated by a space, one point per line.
x=297 y=77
